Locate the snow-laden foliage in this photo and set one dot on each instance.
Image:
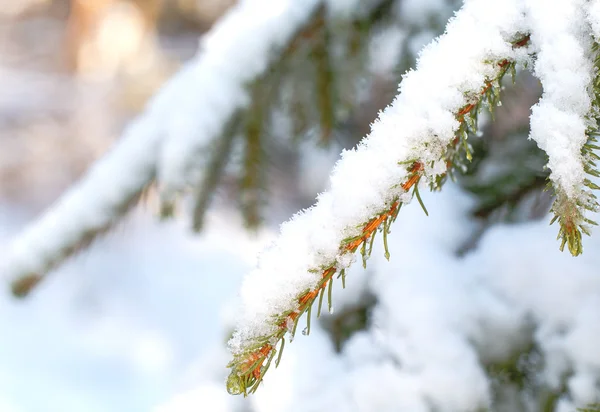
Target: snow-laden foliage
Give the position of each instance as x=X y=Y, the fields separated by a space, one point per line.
x=418 y=141
x=563 y=121
x=414 y=142
x=246 y=64
x=181 y=120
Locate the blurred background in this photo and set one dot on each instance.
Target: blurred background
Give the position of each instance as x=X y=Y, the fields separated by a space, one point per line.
x=143 y=314
x=72 y=74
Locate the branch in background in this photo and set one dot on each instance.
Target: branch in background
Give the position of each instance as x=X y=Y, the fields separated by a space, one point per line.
x=415 y=140
x=193 y=108
x=234 y=53
x=263 y=92
x=310 y=46
x=89 y=209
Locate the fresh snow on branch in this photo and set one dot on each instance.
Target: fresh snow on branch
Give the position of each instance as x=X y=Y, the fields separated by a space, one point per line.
x=564 y=65
x=407 y=144
x=563 y=123
x=183 y=118
x=415 y=140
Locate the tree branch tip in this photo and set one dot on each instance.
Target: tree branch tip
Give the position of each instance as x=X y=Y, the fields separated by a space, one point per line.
x=23 y=286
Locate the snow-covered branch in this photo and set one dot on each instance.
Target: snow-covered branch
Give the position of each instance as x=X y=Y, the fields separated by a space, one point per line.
x=164 y=142
x=562 y=122
x=413 y=142
x=89 y=208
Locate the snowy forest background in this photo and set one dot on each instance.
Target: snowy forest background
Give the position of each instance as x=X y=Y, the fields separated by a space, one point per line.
x=477 y=309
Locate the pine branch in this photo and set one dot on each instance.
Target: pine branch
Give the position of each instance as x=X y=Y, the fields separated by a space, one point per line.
x=111 y=188
x=570 y=211
x=570 y=148
x=177 y=126
x=253 y=353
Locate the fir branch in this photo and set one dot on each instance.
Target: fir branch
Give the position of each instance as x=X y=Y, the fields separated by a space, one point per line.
x=250 y=364
x=154 y=139
x=570 y=212
x=570 y=150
